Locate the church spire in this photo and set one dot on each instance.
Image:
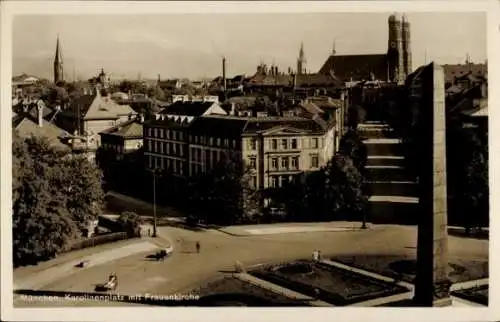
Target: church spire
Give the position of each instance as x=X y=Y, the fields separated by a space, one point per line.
x=58 y=63
x=301 y=60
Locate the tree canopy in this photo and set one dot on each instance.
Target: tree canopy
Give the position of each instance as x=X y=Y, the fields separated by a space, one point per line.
x=55 y=194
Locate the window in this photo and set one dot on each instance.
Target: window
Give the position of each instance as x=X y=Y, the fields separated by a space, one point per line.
x=253 y=144
x=226 y=142
x=161 y=163
x=161 y=147
x=314 y=161
x=314 y=143
x=211 y=141
x=155 y=132
x=274 y=181
x=274 y=144
x=295 y=162
x=150 y=162
x=174 y=135
x=234 y=144
x=253 y=163
x=150 y=148
x=181 y=150
x=284 y=144
x=294 y=143
x=283 y=181
x=284 y=163
x=274 y=163
x=161 y=133
x=149 y=132
x=181 y=136
x=174 y=149
x=168 y=134
x=218 y=141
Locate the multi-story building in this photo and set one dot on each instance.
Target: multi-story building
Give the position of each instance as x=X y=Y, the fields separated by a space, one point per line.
x=276 y=150
x=123 y=138
x=166 y=138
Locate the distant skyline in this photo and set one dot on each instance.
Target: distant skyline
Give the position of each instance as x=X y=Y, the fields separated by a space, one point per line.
x=192 y=45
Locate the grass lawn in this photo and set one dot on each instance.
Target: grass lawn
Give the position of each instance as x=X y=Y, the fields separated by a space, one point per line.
x=404 y=267
x=327 y=283
x=229 y=291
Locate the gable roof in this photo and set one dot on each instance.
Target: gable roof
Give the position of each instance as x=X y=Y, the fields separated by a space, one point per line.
x=187 y=108
x=357 y=67
x=256 y=125
x=26 y=128
x=95 y=106
x=129 y=130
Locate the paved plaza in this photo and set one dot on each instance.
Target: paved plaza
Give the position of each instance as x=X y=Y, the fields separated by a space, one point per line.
x=186 y=269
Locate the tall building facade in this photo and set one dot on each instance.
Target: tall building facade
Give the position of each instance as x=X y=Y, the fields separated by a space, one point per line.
x=58 y=64
x=399 y=48
x=406 y=46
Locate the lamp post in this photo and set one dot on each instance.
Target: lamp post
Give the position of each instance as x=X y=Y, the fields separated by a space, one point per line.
x=154 y=202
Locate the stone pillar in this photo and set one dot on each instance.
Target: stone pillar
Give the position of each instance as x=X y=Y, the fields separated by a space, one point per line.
x=432 y=284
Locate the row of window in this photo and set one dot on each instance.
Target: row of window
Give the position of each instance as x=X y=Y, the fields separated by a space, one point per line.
x=168 y=148
x=287 y=163
x=284 y=144
x=281 y=181
x=275 y=181
x=114 y=147
x=174 y=166
x=212 y=141
x=165 y=134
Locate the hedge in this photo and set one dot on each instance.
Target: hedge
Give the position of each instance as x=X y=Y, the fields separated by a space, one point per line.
x=98 y=240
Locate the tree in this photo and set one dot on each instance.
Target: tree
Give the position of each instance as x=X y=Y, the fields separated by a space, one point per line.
x=352 y=146
x=48 y=216
x=344 y=193
x=355 y=115
x=223 y=195
x=131 y=223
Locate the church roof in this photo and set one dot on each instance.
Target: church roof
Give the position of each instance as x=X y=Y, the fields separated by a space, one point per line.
x=357 y=67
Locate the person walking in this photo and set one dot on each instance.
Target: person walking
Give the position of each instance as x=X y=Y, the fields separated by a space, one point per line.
x=198 y=247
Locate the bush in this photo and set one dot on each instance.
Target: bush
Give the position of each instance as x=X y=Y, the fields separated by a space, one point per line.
x=131 y=223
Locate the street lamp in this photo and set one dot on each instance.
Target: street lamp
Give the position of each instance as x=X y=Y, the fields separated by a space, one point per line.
x=154 y=201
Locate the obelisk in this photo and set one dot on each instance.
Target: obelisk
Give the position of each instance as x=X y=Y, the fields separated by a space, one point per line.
x=432 y=286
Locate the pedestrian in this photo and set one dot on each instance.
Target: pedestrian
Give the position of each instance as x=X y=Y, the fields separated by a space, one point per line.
x=198 y=247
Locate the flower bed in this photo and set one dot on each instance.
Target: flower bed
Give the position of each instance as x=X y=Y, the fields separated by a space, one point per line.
x=336 y=286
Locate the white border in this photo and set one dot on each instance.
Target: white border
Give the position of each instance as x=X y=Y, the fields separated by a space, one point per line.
x=11 y=8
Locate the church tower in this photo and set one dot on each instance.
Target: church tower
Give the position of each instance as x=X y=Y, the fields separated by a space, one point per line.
x=395 y=50
x=301 y=61
x=58 y=64
x=406 y=46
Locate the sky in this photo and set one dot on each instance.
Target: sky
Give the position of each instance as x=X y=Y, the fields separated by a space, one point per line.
x=192 y=45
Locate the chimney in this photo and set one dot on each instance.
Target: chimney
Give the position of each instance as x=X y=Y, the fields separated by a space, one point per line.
x=224 y=73
x=40 y=115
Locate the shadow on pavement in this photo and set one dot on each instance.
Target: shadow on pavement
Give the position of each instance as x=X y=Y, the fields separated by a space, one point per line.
x=474 y=234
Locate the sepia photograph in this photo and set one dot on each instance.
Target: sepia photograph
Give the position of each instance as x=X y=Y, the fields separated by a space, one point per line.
x=217 y=157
